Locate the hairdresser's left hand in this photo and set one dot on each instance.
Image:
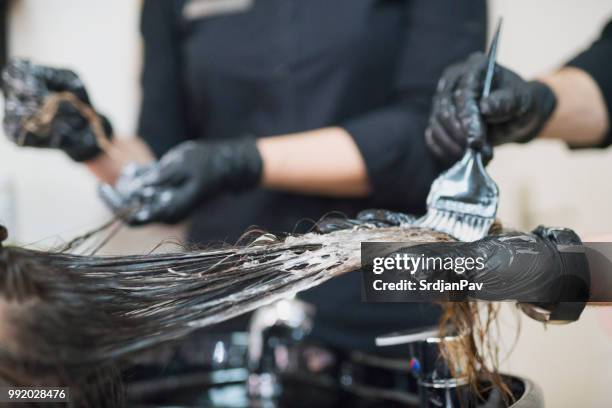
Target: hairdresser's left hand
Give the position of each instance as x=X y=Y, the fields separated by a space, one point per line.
x=27 y=88
x=184 y=177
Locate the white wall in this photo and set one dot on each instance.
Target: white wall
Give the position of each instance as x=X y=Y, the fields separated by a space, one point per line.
x=55 y=198
x=540 y=184
x=544 y=183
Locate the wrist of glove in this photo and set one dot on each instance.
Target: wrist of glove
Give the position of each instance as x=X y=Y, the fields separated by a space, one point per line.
x=518 y=116
x=546 y=102
x=168 y=191
x=50 y=108
x=573 y=284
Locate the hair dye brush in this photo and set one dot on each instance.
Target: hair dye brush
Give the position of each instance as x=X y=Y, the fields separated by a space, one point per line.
x=463 y=200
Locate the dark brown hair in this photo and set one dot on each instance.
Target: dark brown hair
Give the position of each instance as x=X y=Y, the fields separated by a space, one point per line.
x=69 y=320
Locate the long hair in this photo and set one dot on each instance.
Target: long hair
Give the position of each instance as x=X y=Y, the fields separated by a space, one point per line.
x=68 y=320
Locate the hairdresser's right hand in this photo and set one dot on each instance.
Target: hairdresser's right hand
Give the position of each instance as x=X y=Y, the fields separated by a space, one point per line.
x=27 y=88
x=514 y=112
x=183 y=179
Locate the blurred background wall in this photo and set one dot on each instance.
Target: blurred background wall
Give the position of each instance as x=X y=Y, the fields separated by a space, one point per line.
x=544 y=183
x=54 y=199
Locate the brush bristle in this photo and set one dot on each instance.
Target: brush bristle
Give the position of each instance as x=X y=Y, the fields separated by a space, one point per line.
x=464 y=227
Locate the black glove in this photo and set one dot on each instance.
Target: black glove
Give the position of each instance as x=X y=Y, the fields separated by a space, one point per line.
x=370 y=218
x=515 y=111
x=543 y=267
x=185 y=176
x=26 y=87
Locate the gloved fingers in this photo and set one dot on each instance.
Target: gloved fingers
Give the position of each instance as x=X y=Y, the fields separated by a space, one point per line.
x=433 y=147
x=15 y=128
x=29 y=139
x=79 y=144
x=167 y=174
x=165 y=204
x=66 y=109
x=444 y=135
x=135 y=209
x=64 y=80
x=169 y=205
x=18 y=78
x=116 y=202
x=385 y=218
x=471 y=121
x=371 y=217
x=70 y=116
x=502 y=105
x=26 y=85
x=26 y=80
x=111 y=197
x=466 y=97
x=171 y=170
x=107 y=126
x=443 y=108
x=476 y=59
x=335 y=222
x=449 y=78
x=150 y=211
x=129 y=183
x=446 y=115
x=142 y=216
x=442 y=145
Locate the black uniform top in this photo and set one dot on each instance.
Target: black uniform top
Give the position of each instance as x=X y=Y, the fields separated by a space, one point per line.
x=597 y=61
x=283 y=66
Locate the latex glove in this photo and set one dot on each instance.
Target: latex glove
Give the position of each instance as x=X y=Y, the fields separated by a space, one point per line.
x=26 y=87
x=515 y=111
x=515 y=266
x=170 y=190
x=524 y=267
x=371 y=217
x=128 y=196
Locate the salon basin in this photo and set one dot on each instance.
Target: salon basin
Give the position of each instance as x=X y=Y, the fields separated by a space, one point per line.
x=229 y=395
x=273 y=366
x=526 y=394
x=357 y=386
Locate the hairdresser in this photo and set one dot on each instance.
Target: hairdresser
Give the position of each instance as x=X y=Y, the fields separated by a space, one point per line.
x=572 y=104
x=280 y=111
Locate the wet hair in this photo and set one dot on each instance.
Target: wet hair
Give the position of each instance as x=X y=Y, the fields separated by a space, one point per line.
x=71 y=320
x=479 y=349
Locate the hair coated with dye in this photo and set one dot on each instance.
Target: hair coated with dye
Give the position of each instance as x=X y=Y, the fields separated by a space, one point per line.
x=68 y=319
